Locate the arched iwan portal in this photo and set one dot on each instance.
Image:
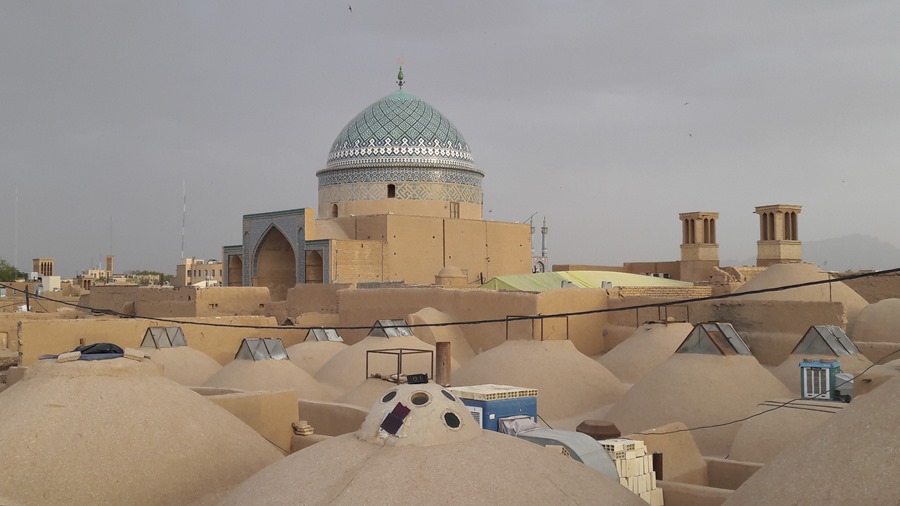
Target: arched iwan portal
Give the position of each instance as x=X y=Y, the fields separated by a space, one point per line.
x=235 y=269
x=314 y=272
x=276 y=264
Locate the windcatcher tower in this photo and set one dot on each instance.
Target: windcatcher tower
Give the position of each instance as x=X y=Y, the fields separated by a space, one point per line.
x=43 y=266
x=779 y=239
x=699 y=249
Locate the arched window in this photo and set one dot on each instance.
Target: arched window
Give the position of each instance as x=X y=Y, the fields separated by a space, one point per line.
x=392 y=191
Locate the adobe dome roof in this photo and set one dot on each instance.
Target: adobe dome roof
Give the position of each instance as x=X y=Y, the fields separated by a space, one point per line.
x=118 y=432
x=400 y=130
x=876 y=323
x=698 y=390
x=439 y=453
x=184 y=365
x=852 y=459
x=650 y=345
x=569 y=383
x=312 y=355
x=268 y=375
x=763 y=437
x=790 y=274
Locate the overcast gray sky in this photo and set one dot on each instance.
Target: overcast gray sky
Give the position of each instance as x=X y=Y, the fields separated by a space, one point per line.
x=609 y=118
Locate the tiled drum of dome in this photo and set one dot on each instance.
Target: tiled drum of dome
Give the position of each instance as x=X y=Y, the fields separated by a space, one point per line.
x=415 y=191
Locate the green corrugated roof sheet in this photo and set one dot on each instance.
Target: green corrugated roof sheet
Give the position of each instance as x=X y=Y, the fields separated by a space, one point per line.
x=581 y=279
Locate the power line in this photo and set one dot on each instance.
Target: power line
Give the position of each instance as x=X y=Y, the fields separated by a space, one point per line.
x=506 y=319
x=541 y=317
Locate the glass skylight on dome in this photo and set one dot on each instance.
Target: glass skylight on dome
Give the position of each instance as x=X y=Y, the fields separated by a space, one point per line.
x=714 y=339
x=391 y=328
x=324 y=334
x=266 y=348
x=825 y=340
x=163 y=337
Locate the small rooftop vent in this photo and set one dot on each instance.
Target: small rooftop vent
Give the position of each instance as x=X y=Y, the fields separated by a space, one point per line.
x=714 y=338
x=825 y=340
x=267 y=348
x=163 y=337
x=323 y=334
x=390 y=328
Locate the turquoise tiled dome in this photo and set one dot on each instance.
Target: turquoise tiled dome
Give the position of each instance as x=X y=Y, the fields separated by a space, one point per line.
x=400 y=130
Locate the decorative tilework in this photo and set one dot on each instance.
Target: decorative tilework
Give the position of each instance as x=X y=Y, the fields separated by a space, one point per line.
x=290 y=223
x=405 y=191
x=400 y=129
x=396 y=174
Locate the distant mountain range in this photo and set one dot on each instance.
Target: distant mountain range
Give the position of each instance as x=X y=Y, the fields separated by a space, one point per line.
x=851 y=253
x=847 y=253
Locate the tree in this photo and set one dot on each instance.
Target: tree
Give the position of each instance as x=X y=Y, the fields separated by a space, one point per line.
x=9 y=272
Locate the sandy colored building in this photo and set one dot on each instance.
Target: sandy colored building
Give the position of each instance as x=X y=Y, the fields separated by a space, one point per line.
x=400 y=198
x=198 y=270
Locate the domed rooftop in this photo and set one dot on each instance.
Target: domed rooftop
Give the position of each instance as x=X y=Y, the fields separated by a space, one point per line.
x=400 y=130
x=312 y=355
x=184 y=365
x=650 y=345
x=789 y=274
x=876 y=323
x=698 y=390
x=419 y=441
x=568 y=382
x=763 y=437
x=118 y=432
x=400 y=156
x=852 y=459
x=268 y=375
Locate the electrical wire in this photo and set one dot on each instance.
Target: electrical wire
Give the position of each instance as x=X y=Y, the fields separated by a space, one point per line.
x=506 y=319
x=541 y=317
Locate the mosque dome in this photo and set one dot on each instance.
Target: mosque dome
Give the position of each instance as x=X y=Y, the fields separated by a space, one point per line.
x=400 y=130
x=402 y=156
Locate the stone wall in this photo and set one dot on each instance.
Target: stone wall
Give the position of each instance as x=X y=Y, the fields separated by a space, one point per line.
x=314 y=298
x=9 y=323
x=356 y=261
x=160 y=302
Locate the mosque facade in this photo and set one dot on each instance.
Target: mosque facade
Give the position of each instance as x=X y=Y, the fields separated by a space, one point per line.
x=400 y=199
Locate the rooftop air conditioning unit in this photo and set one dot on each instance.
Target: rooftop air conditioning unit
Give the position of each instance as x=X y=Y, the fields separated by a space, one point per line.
x=490 y=403
x=818 y=379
